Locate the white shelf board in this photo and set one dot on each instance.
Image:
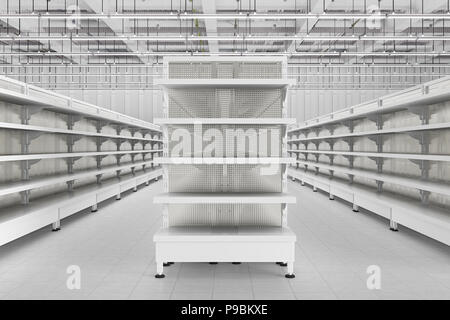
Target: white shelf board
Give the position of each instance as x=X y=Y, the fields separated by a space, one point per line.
x=19 y=186
x=190 y=198
x=231 y=121
x=408 y=156
x=386 y=177
x=224 y=234
x=428 y=127
x=423 y=95
x=225 y=83
x=267 y=160
x=31 y=96
x=62 y=155
x=24 y=127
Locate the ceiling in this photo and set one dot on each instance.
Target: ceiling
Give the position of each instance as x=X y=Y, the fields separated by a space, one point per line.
x=136 y=32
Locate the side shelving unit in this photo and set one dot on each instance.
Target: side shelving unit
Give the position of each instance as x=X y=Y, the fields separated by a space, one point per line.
x=33 y=213
x=226 y=198
x=419 y=215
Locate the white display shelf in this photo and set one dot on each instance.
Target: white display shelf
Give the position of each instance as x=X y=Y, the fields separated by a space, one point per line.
x=225 y=83
x=19 y=220
x=228 y=244
x=431 y=221
x=230 y=121
x=41 y=182
x=223 y=198
x=415 y=183
x=387 y=155
x=429 y=127
x=419 y=96
x=27 y=217
x=63 y=155
x=31 y=128
x=231 y=161
x=22 y=94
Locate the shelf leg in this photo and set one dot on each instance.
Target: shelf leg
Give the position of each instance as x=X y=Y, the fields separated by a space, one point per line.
x=159 y=270
x=56 y=226
x=302 y=183
x=393 y=226
x=135 y=189
x=290 y=270
x=293 y=179
x=355 y=208
x=331 y=197
x=314 y=189
x=118 y=196
x=94 y=208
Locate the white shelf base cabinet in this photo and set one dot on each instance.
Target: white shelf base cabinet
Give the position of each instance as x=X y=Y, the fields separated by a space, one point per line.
x=227 y=244
x=20 y=220
x=225 y=209
x=433 y=222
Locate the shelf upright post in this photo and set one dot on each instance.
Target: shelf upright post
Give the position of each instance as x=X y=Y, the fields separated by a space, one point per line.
x=378 y=139
x=423 y=138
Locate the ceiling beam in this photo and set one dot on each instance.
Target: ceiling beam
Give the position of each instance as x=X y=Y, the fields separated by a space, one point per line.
x=209 y=7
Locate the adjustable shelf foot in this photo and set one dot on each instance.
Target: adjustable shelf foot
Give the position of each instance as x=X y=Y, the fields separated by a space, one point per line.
x=56 y=226
x=331 y=197
x=94 y=208
x=355 y=208
x=159 y=270
x=235 y=263
x=213 y=263
x=118 y=197
x=393 y=226
x=167 y=264
x=290 y=270
x=282 y=264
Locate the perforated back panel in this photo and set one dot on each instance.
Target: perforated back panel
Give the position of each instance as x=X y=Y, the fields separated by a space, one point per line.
x=222 y=178
x=225 y=215
x=226 y=140
x=224 y=103
x=227 y=103
x=225 y=70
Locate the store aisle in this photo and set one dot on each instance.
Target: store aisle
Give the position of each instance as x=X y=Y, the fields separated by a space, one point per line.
x=114 y=250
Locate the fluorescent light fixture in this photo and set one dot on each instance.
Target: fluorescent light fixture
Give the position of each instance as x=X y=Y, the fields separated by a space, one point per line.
x=246 y=38
x=230 y=16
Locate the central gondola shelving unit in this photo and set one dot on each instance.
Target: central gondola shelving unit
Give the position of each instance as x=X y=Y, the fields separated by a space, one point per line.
x=225 y=194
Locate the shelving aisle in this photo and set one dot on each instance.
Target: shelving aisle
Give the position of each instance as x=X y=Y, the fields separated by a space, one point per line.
x=333 y=253
x=225 y=197
x=49 y=174
x=408 y=185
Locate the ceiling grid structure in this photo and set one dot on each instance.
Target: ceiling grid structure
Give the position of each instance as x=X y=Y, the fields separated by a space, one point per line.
x=367 y=41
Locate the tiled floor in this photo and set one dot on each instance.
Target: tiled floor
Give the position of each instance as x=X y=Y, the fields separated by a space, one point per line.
x=115 y=252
